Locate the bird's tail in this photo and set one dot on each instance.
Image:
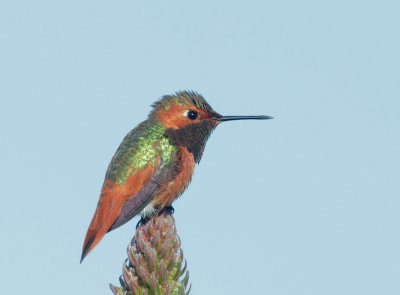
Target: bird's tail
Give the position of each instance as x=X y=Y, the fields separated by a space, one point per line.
x=93 y=237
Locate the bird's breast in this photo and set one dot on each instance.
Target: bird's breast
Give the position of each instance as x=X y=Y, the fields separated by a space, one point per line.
x=175 y=187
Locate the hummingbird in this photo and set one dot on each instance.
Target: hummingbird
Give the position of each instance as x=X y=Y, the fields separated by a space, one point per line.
x=155 y=162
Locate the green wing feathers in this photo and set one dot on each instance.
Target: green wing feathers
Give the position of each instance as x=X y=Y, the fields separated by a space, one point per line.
x=140 y=147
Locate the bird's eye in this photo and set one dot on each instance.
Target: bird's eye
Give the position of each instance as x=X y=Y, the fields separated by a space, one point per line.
x=192 y=115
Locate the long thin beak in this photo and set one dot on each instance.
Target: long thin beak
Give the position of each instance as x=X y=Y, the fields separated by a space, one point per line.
x=231 y=118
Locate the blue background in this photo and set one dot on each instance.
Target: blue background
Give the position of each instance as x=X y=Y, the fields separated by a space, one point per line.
x=307 y=203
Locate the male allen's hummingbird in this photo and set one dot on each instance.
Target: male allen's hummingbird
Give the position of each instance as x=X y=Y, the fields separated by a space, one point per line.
x=155 y=162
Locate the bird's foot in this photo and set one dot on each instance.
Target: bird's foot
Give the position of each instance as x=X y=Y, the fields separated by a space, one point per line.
x=167 y=210
x=142 y=221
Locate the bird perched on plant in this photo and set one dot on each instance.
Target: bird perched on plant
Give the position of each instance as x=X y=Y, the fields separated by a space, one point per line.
x=155 y=162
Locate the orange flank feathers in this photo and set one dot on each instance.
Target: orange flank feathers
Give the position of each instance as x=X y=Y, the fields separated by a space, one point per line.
x=112 y=199
x=175 y=187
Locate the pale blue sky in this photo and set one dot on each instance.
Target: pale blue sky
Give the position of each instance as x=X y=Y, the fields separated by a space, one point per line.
x=307 y=203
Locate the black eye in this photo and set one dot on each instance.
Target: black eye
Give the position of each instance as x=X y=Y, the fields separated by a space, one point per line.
x=192 y=115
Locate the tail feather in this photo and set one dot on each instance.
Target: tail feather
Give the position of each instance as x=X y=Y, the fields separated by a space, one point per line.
x=88 y=245
x=103 y=218
x=112 y=200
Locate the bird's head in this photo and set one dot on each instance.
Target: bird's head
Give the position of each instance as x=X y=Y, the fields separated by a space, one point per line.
x=182 y=109
x=190 y=120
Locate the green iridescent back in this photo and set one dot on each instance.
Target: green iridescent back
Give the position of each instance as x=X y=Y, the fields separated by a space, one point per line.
x=140 y=148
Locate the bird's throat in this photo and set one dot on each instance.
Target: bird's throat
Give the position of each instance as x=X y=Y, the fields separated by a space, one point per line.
x=193 y=136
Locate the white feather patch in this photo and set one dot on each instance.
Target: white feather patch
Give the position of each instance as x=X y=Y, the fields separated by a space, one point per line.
x=148 y=210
